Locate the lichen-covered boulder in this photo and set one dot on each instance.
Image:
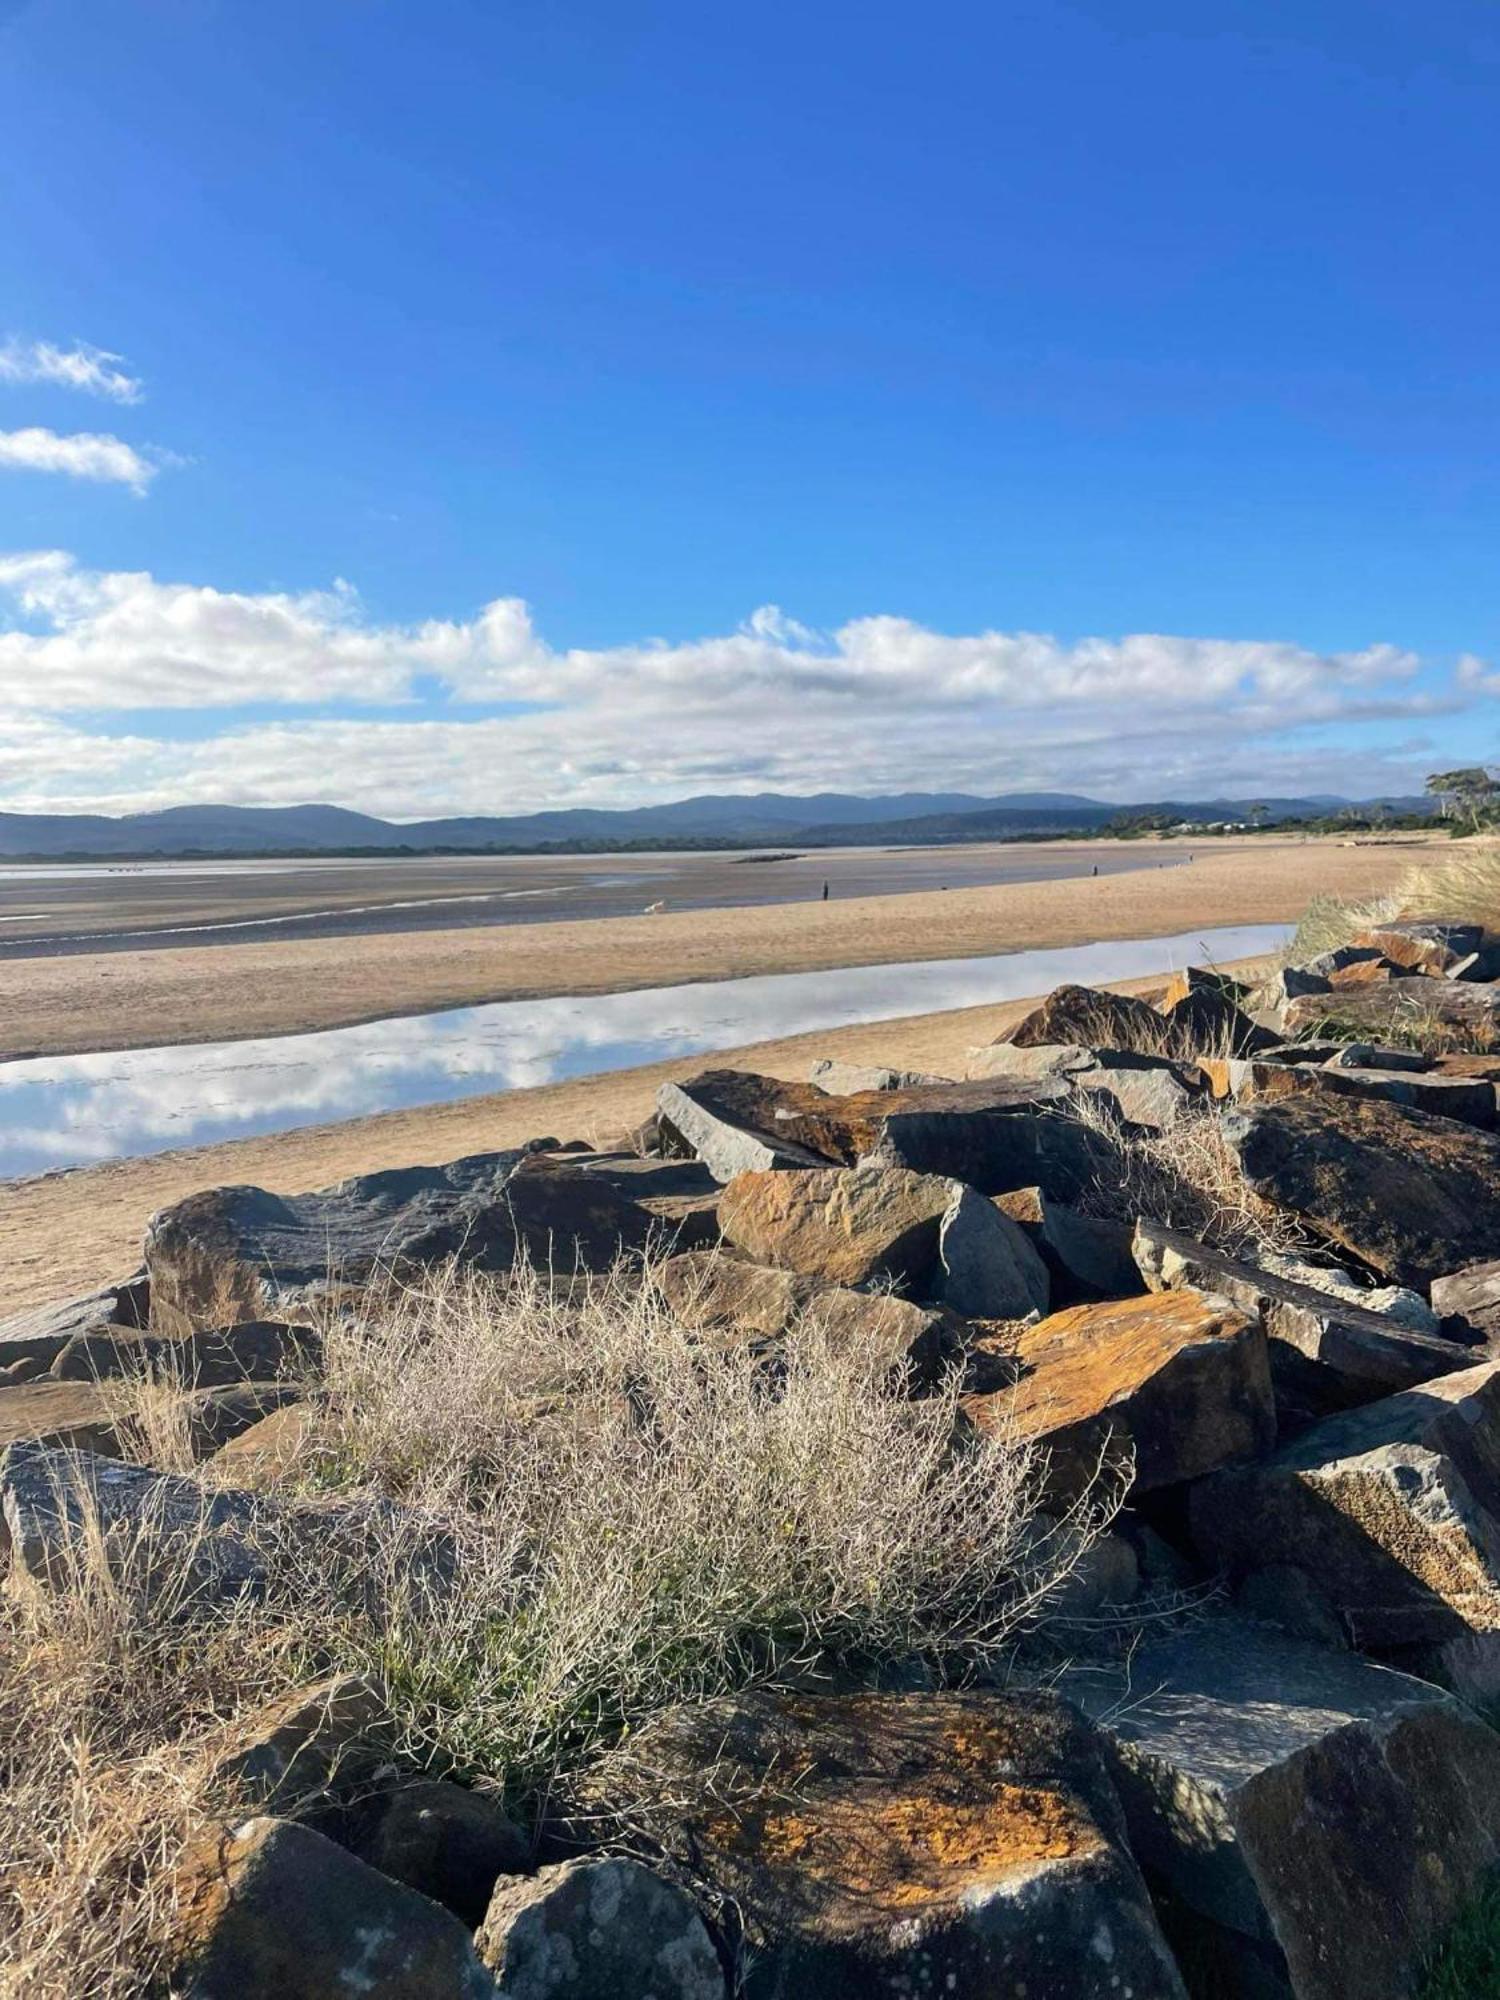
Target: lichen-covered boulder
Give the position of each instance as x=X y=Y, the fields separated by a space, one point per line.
x=884 y=1845
x=1175 y=1384
x=846 y=1226
x=1412 y=1196
x=1316 y=1821
x=598 y=1930
x=275 y=1908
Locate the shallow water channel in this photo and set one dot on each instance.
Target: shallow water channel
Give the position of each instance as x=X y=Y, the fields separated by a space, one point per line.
x=69 y=1111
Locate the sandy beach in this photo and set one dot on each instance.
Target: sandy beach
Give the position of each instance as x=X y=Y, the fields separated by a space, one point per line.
x=64 y=1233
x=141 y=999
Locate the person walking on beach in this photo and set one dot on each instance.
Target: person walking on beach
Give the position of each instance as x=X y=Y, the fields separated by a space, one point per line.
x=825 y=892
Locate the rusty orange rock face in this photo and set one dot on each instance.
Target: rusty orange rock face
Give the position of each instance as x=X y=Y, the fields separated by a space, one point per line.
x=1174 y=1384
x=843 y=1226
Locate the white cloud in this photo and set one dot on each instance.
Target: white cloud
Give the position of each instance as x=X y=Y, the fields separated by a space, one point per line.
x=882 y=704
x=83 y=455
x=91 y=369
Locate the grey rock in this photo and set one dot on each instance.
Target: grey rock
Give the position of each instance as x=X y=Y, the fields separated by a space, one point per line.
x=191 y=1546
x=598 y=1930
x=218 y=1358
x=1149 y=1092
x=1468 y=1302
x=40 y=1334
x=987 y=1267
x=241 y=1253
x=1327 y=1352
x=1318 y=1822
x=1012 y=1059
x=846 y=1079
x=1089 y=1256
x=1392 y=1514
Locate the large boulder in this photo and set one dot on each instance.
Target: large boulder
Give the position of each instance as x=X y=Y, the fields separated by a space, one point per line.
x=1174 y=1384
x=31 y=1341
x=1411 y=1196
x=845 y=1226
x=1025 y=1060
x=275 y=1908
x=1093 y=1017
x=993 y=1134
x=598 y=1930
x=1203 y=1012
x=883 y=1845
x=241 y=1253
x=1326 y=1352
x=1403 y=1010
x=1314 y=1823
x=1385 y=1519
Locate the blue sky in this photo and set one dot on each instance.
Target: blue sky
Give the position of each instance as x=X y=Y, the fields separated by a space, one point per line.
x=1106 y=396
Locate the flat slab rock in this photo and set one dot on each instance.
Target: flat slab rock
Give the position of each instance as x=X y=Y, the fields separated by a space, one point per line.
x=196 y=1545
x=1172 y=1384
x=992 y=1134
x=1401 y=1008
x=1385 y=1518
x=1469 y=1098
x=1317 y=1822
x=1411 y=1196
x=31 y=1341
x=241 y=1253
x=958 y=1845
x=1326 y=1353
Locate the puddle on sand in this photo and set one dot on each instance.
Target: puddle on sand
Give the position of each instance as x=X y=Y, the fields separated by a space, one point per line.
x=69 y=1111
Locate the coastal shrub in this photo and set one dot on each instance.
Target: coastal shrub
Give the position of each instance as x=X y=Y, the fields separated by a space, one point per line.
x=649 y=1517
x=637 y=1516
x=1463 y=887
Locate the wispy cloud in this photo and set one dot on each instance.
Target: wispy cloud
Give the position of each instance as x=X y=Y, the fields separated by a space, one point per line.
x=82 y=455
x=94 y=370
x=880 y=704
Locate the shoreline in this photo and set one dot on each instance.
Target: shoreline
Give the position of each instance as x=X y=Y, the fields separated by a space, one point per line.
x=66 y=1233
x=89 y=1003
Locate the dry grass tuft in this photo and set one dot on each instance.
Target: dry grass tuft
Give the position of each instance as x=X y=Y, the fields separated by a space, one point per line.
x=115 y=1705
x=1464 y=887
x=641 y=1519
x=1186 y=1177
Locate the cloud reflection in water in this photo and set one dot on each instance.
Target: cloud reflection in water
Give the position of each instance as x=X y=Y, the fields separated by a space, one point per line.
x=68 y=1111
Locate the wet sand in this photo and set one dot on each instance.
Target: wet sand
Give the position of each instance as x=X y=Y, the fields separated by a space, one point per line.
x=48 y=910
x=146 y=998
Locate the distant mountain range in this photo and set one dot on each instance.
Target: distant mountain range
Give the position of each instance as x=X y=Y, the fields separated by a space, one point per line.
x=763 y=819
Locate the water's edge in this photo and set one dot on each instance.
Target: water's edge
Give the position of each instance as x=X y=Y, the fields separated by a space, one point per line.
x=69 y=1111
